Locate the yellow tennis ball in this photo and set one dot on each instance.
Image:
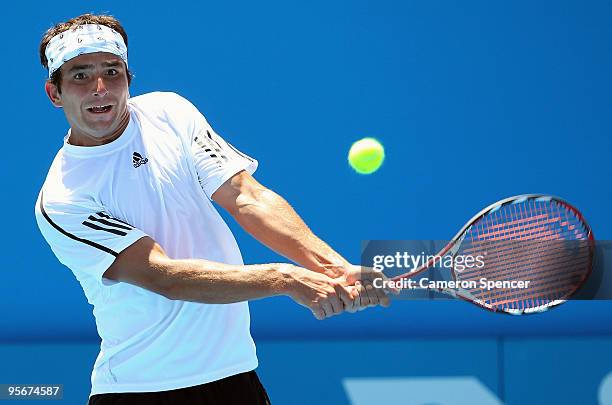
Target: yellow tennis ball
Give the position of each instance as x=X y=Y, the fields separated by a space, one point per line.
x=366 y=155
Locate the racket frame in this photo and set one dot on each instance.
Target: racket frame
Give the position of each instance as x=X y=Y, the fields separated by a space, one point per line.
x=454 y=245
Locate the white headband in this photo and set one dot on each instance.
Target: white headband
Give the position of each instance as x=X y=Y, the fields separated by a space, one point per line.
x=88 y=38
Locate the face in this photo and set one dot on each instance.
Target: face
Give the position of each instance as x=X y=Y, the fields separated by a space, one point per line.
x=94 y=93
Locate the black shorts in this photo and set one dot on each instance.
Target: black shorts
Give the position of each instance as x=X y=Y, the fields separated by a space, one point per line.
x=239 y=389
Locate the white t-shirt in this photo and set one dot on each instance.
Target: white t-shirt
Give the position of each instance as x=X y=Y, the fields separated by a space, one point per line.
x=156 y=179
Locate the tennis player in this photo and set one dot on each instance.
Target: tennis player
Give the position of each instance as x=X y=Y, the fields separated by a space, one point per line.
x=127 y=206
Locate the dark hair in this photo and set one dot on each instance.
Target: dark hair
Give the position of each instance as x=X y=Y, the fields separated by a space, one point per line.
x=106 y=20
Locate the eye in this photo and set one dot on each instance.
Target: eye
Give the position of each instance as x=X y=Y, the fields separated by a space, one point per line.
x=112 y=72
x=79 y=76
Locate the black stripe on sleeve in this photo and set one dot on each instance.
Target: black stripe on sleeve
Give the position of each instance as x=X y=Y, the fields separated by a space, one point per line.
x=71 y=236
x=217 y=143
x=208 y=148
x=109 y=223
x=103 y=215
x=230 y=145
x=101 y=228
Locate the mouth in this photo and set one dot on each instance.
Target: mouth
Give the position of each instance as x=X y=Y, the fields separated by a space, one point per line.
x=99 y=109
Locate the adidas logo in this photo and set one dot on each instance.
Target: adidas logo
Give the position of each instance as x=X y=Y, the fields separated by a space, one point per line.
x=138 y=160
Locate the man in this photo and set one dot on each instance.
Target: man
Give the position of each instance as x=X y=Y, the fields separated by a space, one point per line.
x=126 y=205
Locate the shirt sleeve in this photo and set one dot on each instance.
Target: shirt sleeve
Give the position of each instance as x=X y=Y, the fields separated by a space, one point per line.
x=215 y=159
x=82 y=236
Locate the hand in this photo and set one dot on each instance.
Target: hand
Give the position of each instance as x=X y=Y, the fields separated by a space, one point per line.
x=367 y=295
x=323 y=295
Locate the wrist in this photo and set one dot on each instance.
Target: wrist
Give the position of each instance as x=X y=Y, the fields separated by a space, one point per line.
x=284 y=275
x=331 y=267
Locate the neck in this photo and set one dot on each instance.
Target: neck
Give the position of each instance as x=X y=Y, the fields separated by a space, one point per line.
x=77 y=139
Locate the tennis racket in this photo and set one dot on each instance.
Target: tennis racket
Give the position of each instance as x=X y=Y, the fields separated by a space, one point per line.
x=536 y=238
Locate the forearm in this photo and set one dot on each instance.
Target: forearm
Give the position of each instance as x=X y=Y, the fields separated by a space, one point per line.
x=218 y=283
x=272 y=221
x=145 y=264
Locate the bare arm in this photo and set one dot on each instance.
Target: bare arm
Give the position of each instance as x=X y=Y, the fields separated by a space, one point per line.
x=271 y=220
x=145 y=264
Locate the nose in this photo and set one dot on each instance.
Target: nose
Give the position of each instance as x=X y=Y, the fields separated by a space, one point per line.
x=100 y=88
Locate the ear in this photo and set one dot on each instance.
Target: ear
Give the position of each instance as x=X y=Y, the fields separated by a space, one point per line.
x=53 y=94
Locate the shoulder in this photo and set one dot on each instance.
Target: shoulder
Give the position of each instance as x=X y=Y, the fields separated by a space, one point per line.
x=54 y=184
x=61 y=187
x=56 y=196
x=157 y=97
x=166 y=109
x=161 y=102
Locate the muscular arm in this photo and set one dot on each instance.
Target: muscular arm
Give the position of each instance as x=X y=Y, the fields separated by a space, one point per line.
x=272 y=221
x=145 y=264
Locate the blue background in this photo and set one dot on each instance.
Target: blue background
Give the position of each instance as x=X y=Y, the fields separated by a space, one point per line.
x=474 y=101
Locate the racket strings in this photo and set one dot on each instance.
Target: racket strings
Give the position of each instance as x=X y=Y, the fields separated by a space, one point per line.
x=527 y=219
x=508 y=251
x=541 y=242
x=547 y=291
x=505 y=266
x=538 y=284
x=533 y=226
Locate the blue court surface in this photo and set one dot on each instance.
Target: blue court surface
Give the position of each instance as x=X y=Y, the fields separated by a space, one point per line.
x=474 y=101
